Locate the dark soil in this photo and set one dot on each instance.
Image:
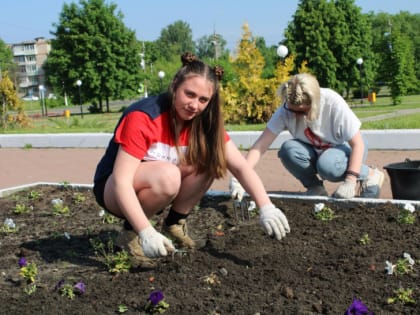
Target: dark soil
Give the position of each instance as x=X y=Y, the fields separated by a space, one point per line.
x=319 y=268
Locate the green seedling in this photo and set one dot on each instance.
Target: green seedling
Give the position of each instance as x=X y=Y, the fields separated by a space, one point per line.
x=403 y=296
x=364 y=240
x=21 y=208
x=323 y=212
x=116 y=262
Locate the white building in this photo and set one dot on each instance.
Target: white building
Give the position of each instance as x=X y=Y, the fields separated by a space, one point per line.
x=30 y=57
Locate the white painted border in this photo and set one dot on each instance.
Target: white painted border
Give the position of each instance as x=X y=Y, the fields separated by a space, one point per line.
x=392 y=139
x=346 y=202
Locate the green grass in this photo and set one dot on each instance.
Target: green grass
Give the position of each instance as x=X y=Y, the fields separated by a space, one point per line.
x=105 y=123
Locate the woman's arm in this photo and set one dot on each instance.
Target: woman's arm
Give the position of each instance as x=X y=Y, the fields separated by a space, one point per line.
x=246 y=175
x=356 y=157
x=260 y=146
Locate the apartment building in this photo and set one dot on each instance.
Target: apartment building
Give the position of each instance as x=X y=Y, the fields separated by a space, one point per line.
x=30 y=57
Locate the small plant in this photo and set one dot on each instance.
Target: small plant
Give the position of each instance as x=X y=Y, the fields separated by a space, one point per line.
x=403 y=266
x=323 y=212
x=122 y=308
x=34 y=195
x=21 y=208
x=9 y=226
x=364 y=240
x=28 y=271
x=406 y=215
x=59 y=208
x=108 y=217
x=70 y=290
x=27 y=146
x=358 y=308
x=78 y=198
x=116 y=262
x=403 y=296
x=155 y=303
x=212 y=279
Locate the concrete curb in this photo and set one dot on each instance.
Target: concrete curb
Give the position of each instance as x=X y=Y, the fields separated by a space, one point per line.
x=393 y=139
x=346 y=203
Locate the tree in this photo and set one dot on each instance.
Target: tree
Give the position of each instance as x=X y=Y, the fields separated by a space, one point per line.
x=330 y=36
x=249 y=98
x=11 y=102
x=92 y=45
x=6 y=61
x=402 y=76
x=384 y=26
x=211 y=47
x=175 y=40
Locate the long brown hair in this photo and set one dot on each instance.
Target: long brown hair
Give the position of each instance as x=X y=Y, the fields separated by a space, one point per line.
x=206 y=148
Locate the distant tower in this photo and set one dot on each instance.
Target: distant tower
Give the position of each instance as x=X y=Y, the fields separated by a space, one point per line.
x=216 y=44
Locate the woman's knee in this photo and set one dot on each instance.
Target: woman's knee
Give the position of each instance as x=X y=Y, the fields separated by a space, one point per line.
x=168 y=180
x=332 y=164
x=294 y=152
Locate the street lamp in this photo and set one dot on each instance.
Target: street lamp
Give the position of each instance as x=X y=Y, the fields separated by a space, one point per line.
x=359 y=61
x=161 y=75
x=282 y=51
x=42 y=97
x=79 y=83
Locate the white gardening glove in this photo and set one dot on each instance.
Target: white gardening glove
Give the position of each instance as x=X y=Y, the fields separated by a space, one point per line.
x=346 y=190
x=155 y=244
x=274 y=221
x=236 y=190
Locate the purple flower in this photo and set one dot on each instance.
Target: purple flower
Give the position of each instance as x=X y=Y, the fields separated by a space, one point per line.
x=22 y=262
x=80 y=286
x=155 y=297
x=358 y=308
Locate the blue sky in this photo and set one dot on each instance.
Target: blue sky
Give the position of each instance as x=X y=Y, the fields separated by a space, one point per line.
x=27 y=19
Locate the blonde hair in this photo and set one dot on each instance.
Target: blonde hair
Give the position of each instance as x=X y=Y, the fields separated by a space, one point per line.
x=302 y=88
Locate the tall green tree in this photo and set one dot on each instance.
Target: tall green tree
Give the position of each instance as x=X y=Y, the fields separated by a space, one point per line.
x=331 y=36
x=402 y=76
x=384 y=25
x=174 y=40
x=93 y=45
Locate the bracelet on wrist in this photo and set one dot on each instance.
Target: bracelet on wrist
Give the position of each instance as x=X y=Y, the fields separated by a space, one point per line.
x=355 y=174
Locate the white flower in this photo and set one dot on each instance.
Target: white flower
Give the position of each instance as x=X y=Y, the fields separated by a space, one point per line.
x=252 y=205
x=318 y=207
x=389 y=267
x=57 y=201
x=409 y=207
x=9 y=223
x=409 y=259
x=101 y=213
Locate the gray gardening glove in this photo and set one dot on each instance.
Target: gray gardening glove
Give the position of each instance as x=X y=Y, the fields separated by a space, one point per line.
x=236 y=190
x=274 y=221
x=346 y=190
x=155 y=244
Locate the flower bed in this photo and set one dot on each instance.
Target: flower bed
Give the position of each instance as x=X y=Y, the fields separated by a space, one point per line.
x=322 y=267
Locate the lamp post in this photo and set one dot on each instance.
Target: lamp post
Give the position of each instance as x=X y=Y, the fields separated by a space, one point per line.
x=359 y=61
x=79 y=83
x=42 y=97
x=282 y=51
x=161 y=75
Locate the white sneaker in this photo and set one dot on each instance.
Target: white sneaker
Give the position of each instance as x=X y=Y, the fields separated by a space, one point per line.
x=371 y=187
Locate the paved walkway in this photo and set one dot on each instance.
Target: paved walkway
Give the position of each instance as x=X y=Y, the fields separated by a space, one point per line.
x=77 y=166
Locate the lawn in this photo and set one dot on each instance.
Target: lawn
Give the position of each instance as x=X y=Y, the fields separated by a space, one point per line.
x=106 y=122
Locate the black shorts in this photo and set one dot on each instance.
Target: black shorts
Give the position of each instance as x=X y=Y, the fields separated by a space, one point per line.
x=98 y=191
